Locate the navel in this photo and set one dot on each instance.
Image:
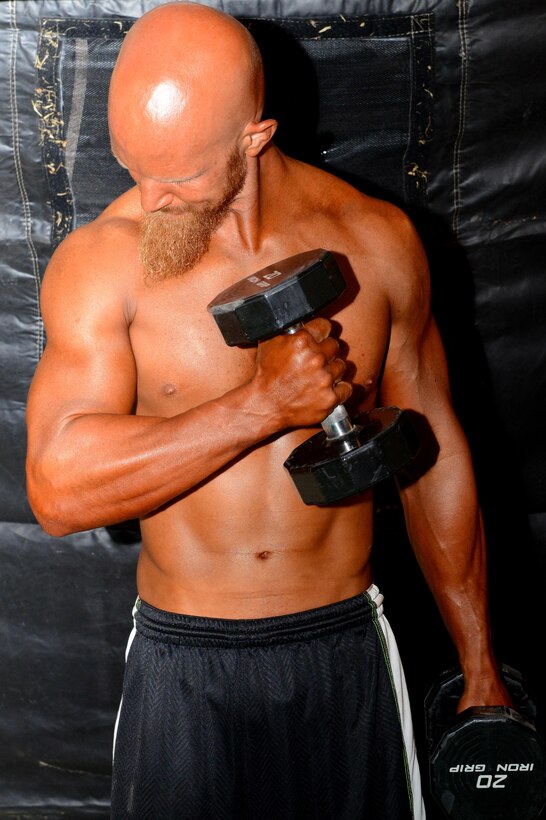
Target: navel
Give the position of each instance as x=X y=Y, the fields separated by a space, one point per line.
x=263 y=555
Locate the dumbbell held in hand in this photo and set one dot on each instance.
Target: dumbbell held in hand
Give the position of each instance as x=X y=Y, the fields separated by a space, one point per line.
x=345 y=458
x=488 y=762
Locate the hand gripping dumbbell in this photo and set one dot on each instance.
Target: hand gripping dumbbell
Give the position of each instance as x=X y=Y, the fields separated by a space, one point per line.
x=488 y=762
x=345 y=458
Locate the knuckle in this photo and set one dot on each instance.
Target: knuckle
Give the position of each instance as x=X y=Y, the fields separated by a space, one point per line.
x=318 y=361
x=300 y=341
x=325 y=381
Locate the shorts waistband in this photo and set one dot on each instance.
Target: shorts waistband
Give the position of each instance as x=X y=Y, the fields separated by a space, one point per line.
x=194 y=630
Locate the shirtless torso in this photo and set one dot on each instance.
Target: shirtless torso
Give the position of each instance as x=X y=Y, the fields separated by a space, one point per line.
x=241 y=543
x=244 y=535
x=139 y=409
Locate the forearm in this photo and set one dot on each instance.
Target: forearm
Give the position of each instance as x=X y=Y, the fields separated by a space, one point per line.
x=89 y=466
x=445 y=528
x=103 y=468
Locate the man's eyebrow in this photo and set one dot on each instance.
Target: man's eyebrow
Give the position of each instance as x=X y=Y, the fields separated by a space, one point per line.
x=184 y=179
x=162 y=179
x=179 y=181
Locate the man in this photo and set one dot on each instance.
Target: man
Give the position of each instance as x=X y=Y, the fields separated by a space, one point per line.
x=263 y=680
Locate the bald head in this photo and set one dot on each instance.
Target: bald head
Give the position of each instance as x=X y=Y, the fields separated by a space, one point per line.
x=189 y=67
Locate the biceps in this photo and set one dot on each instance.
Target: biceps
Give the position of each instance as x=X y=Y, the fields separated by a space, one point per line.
x=71 y=381
x=415 y=374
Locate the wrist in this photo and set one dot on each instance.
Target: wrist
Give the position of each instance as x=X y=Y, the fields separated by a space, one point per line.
x=258 y=414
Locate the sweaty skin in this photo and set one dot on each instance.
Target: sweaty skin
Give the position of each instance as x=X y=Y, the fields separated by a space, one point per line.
x=139 y=409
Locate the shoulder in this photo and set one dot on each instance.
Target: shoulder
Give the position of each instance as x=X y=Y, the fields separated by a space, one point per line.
x=383 y=247
x=389 y=247
x=378 y=239
x=371 y=225
x=365 y=221
x=97 y=262
x=388 y=255
x=105 y=240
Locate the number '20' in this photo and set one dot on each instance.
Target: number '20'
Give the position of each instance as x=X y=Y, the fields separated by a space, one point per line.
x=490 y=781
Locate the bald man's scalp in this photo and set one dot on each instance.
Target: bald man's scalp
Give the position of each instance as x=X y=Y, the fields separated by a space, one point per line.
x=194 y=53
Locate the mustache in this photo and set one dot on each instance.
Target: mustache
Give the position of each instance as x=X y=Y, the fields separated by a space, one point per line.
x=204 y=207
x=177 y=210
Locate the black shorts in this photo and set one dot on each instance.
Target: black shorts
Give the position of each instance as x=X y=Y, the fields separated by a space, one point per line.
x=292 y=717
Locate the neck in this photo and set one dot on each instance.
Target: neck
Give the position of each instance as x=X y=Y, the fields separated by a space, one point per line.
x=247 y=222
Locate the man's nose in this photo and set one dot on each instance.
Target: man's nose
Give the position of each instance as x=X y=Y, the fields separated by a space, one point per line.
x=154 y=195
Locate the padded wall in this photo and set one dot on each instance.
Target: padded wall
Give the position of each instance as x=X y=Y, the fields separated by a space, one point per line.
x=436 y=105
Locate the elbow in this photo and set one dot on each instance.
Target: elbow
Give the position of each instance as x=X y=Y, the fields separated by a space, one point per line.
x=55 y=527
x=52 y=505
x=51 y=517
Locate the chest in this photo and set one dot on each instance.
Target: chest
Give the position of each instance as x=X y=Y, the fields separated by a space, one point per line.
x=182 y=359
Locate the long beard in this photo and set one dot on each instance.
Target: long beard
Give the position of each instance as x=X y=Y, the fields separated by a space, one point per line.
x=173 y=240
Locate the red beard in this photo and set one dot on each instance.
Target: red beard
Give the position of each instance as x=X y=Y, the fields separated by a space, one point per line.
x=173 y=240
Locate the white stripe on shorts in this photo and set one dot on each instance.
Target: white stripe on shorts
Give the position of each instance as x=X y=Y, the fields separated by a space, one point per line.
x=129 y=643
x=402 y=697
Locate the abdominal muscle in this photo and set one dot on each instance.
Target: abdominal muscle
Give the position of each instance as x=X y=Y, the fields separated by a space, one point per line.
x=244 y=545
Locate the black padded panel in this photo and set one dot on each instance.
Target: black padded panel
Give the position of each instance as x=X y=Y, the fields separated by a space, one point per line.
x=351 y=94
x=65 y=619
x=74 y=63
x=434 y=104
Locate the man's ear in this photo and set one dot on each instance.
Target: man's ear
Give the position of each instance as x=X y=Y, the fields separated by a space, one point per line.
x=256 y=136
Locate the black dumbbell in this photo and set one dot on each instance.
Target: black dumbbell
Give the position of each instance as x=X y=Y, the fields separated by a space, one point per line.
x=486 y=763
x=345 y=458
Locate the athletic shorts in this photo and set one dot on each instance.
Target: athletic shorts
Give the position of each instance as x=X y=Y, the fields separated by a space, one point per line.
x=286 y=718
